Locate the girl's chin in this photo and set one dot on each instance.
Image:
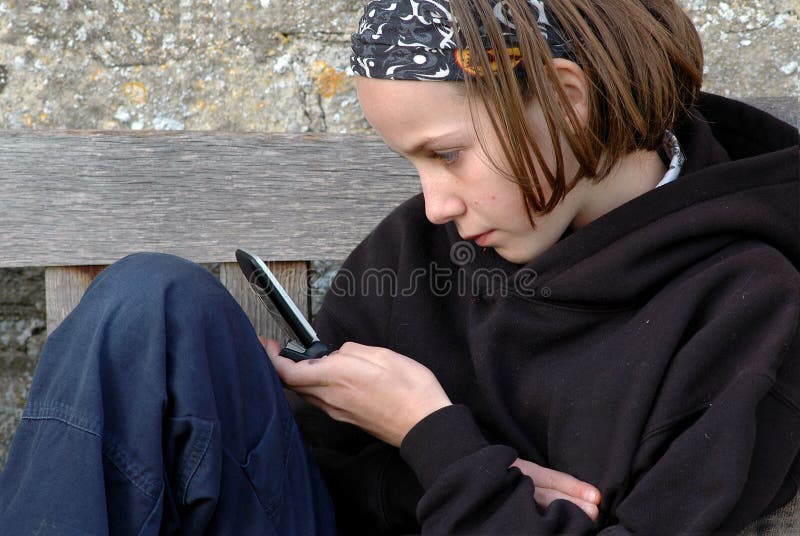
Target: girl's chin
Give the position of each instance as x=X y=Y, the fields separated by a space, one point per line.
x=520 y=253
x=512 y=255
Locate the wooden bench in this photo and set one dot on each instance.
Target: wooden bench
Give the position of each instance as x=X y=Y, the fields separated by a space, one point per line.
x=75 y=202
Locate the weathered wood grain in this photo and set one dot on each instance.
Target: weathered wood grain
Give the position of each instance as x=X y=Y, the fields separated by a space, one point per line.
x=292 y=275
x=72 y=198
x=64 y=287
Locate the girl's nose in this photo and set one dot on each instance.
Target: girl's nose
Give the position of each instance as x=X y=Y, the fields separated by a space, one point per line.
x=443 y=201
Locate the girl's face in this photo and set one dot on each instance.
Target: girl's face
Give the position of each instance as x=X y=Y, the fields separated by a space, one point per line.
x=429 y=123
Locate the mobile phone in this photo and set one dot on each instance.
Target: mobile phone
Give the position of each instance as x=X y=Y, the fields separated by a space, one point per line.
x=282 y=308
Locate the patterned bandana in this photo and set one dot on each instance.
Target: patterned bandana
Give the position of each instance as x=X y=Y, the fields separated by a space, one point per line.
x=415 y=40
x=672 y=149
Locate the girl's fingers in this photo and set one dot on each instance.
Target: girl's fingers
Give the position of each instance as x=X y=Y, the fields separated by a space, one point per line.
x=270 y=345
x=316 y=401
x=556 y=480
x=545 y=496
x=304 y=373
x=333 y=369
x=569 y=485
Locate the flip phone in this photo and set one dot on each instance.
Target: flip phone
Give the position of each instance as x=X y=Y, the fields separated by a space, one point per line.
x=282 y=308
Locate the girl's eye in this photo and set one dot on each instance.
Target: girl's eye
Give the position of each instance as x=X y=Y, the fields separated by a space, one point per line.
x=447 y=157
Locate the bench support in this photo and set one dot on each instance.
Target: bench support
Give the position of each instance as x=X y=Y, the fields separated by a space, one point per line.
x=65 y=286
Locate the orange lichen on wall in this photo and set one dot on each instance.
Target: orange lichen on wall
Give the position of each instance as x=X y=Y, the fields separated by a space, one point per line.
x=135 y=92
x=327 y=79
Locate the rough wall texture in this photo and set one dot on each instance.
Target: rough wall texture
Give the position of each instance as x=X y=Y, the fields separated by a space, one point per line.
x=188 y=64
x=236 y=65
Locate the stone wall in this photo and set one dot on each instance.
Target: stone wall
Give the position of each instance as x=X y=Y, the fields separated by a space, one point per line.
x=236 y=65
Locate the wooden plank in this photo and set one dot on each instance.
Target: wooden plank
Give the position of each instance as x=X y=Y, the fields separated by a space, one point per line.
x=64 y=287
x=292 y=275
x=78 y=198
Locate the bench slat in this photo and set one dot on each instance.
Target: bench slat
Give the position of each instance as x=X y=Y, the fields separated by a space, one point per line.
x=64 y=287
x=91 y=198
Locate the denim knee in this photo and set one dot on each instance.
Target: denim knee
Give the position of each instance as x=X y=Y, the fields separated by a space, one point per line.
x=155 y=272
x=144 y=282
x=130 y=320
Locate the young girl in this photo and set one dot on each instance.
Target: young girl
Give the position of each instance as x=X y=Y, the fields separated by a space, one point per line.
x=591 y=323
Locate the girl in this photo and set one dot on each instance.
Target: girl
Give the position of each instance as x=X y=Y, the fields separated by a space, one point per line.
x=592 y=324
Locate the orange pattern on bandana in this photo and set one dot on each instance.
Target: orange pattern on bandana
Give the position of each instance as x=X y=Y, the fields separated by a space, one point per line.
x=464 y=60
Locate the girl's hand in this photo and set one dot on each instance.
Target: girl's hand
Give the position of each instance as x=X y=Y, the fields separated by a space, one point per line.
x=387 y=393
x=551 y=485
x=381 y=391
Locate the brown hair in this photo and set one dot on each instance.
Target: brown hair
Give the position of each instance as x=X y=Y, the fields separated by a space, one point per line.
x=643 y=63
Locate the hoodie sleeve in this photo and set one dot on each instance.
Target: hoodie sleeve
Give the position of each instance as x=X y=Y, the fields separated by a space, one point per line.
x=713 y=468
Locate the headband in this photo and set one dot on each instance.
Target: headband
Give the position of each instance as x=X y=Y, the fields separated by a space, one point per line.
x=415 y=40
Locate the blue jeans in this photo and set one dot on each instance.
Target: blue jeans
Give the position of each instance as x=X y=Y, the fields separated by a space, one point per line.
x=154 y=409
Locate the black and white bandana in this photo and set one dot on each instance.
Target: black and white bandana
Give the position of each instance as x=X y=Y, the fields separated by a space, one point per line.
x=415 y=40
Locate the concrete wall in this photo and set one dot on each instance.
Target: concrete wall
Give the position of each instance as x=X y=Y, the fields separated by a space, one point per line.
x=268 y=65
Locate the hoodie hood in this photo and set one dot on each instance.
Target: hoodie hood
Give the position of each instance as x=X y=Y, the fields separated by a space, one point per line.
x=740 y=182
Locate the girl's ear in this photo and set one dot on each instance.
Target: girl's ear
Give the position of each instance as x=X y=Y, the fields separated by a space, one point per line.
x=573 y=80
